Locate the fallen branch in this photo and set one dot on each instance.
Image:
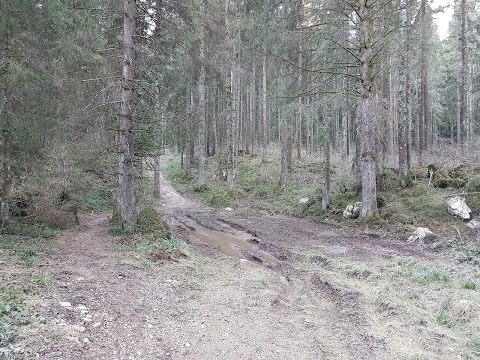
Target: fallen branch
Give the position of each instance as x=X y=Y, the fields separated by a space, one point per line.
x=462 y=194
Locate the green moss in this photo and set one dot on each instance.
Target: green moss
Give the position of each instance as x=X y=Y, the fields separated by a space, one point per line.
x=444 y=183
x=150 y=222
x=473 y=184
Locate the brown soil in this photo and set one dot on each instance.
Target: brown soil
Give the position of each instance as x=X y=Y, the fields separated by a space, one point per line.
x=264 y=288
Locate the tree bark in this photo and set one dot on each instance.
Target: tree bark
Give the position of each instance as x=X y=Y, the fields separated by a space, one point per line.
x=264 y=105
x=424 y=93
x=201 y=180
x=156 y=177
x=126 y=185
x=403 y=99
x=463 y=74
x=231 y=98
x=368 y=111
x=326 y=171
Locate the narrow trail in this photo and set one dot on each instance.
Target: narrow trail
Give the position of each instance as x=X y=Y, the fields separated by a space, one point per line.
x=260 y=303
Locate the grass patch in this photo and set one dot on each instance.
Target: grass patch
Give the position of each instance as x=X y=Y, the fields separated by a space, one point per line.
x=474 y=345
x=29 y=256
x=24 y=250
x=417 y=205
x=118 y=230
x=427 y=277
x=470 y=285
x=171 y=246
x=12 y=315
x=30 y=229
x=444 y=319
x=152 y=249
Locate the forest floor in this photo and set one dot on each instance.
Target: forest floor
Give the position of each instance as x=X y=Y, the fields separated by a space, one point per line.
x=251 y=287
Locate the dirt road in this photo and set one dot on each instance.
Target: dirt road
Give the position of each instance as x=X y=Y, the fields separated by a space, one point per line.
x=265 y=288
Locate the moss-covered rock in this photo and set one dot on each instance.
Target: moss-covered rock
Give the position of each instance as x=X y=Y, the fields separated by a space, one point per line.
x=473 y=184
x=446 y=182
x=150 y=222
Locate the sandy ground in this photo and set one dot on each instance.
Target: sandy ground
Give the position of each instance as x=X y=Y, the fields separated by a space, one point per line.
x=281 y=288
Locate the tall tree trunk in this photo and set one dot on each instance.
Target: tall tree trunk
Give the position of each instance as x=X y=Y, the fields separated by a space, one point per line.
x=424 y=93
x=326 y=171
x=463 y=74
x=232 y=102
x=202 y=177
x=403 y=99
x=368 y=112
x=6 y=177
x=264 y=105
x=126 y=186
x=284 y=154
x=298 y=127
x=156 y=176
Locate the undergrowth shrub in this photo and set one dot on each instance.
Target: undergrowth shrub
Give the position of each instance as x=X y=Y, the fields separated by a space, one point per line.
x=30 y=229
x=56 y=218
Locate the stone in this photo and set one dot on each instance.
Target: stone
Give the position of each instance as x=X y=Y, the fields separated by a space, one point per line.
x=474 y=224
x=352 y=211
x=422 y=234
x=458 y=207
x=303 y=200
x=65 y=304
x=228 y=209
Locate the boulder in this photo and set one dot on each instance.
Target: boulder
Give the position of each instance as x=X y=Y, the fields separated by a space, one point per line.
x=303 y=200
x=422 y=234
x=352 y=211
x=458 y=207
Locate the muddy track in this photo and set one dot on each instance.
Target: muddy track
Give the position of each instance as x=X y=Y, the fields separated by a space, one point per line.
x=275 y=242
x=259 y=288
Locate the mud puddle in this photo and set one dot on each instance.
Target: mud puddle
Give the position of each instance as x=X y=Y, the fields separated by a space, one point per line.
x=230 y=241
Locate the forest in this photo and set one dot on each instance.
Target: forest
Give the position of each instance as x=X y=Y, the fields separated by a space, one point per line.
x=369 y=83
x=161 y=124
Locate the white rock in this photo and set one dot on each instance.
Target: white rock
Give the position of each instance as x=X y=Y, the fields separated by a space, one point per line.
x=81 y=307
x=421 y=234
x=474 y=224
x=74 y=339
x=228 y=209
x=96 y=324
x=352 y=211
x=65 y=304
x=303 y=200
x=78 y=328
x=457 y=207
x=187 y=345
